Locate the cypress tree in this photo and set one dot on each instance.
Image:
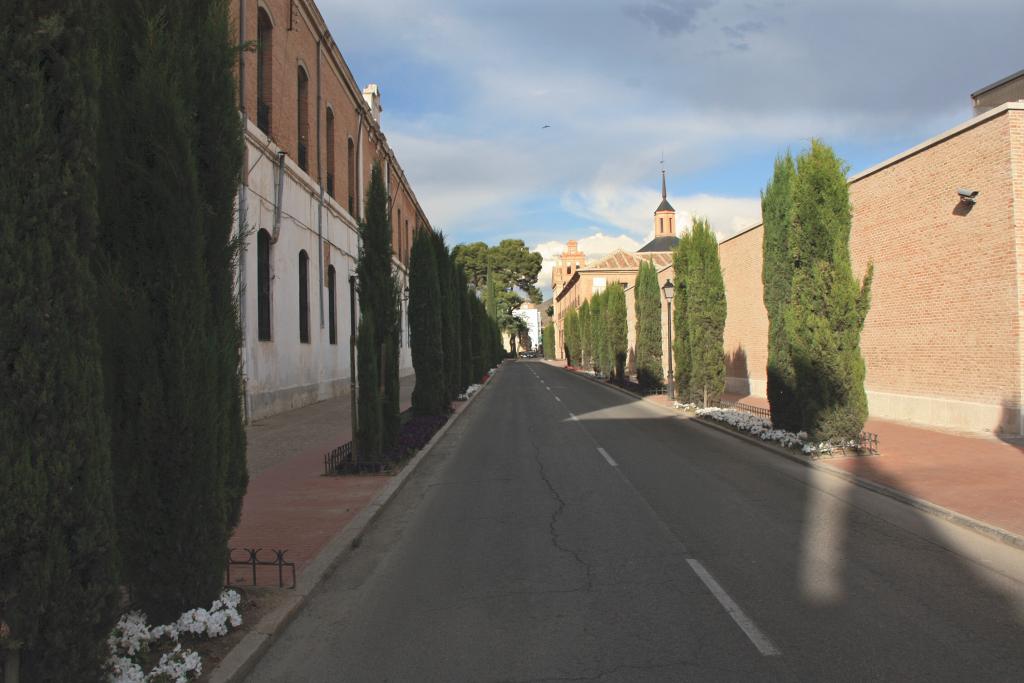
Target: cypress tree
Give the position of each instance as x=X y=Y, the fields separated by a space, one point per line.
x=598 y=332
x=378 y=295
x=449 y=320
x=571 y=341
x=57 y=554
x=705 y=314
x=827 y=307
x=163 y=349
x=680 y=340
x=455 y=373
x=586 y=335
x=425 y=334
x=647 y=300
x=465 y=329
x=477 y=341
x=218 y=147
x=370 y=406
x=549 y=341
x=777 y=277
x=618 y=332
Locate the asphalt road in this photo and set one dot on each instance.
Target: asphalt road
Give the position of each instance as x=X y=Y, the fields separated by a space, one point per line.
x=565 y=531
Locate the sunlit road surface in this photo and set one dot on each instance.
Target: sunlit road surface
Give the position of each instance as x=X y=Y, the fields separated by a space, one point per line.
x=562 y=530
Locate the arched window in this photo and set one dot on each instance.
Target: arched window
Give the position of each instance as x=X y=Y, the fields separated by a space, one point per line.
x=263 y=284
x=303 y=297
x=303 y=119
x=330 y=151
x=351 y=178
x=264 y=69
x=332 y=302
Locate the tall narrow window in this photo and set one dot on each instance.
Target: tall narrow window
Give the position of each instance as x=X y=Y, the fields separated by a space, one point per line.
x=263 y=284
x=264 y=69
x=303 y=297
x=408 y=239
x=303 y=119
x=351 y=178
x=330 y=151
x=332 y=302
x=397 y=246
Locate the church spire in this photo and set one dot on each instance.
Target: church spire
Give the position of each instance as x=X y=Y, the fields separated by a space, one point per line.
x=664 y=195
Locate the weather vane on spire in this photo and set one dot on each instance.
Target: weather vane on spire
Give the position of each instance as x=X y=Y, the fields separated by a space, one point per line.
x=663 y=193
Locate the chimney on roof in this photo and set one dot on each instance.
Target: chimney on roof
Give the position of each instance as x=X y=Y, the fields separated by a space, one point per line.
x=371 y=94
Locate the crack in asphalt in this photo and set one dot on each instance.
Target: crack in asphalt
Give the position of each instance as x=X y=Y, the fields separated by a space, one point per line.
x=553 y=522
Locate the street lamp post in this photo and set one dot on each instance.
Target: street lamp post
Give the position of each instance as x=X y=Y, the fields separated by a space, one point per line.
x=669 y=290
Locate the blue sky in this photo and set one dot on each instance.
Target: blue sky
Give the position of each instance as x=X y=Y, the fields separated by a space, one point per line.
x=719 y=87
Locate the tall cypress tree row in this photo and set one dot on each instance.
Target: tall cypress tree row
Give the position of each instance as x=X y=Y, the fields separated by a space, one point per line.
x=618 y=331
x=378 y=294
x=218 y=147
x=162 y=346
x=827 y=307
x=481 y=338
x=57 y=555
x=549 y=341
x=425 y=333
x=777 y=277
x=572 y=336
x=647 y=300
x=680 y=341
x=586 y=335
x=705 y=314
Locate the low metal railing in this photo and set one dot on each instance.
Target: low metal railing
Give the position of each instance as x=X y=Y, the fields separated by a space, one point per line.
x=253 y=561
x=763 y=413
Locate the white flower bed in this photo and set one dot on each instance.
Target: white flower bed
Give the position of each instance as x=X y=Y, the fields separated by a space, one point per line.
x=470 y=390
x=132 y=637
x=762 y=429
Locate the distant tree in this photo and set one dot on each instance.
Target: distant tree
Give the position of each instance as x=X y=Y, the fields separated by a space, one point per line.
x=586 y=335
x=449 y=331
x=378 y=294
x=549 y=341
x=827 y=307
x=466 y=329
x=499 y=272
x=705 y=314
x=680 y=340
x=516 y=329
x=425 y=334
x=777 y=277
x=599 y=333
x=647 y=296
x=474 y=258
x=618 y=330
x=58 y=582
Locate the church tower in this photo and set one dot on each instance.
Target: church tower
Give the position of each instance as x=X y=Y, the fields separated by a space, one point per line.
x=664 y=215
x=568 y=263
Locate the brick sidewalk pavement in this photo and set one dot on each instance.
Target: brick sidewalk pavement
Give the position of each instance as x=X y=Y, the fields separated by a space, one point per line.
x=289 y=504
x=979 y=475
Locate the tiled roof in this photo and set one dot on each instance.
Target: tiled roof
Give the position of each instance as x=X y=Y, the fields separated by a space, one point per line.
x=663 y=243
x=621 y=260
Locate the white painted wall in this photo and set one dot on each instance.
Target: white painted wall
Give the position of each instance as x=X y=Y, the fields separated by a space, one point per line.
x=532 y=318
x=284 y=373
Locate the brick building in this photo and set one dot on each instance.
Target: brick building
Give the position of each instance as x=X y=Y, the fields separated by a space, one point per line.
x=573 y=281
x=312 y=136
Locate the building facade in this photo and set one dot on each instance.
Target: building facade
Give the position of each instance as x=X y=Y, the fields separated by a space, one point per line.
x=312 y=137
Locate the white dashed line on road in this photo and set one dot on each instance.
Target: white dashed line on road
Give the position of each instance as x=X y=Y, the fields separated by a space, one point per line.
x=759 y=639
x=573 y=417
x=607 y=457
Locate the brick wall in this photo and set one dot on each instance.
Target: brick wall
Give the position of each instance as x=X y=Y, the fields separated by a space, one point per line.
x=942 y=341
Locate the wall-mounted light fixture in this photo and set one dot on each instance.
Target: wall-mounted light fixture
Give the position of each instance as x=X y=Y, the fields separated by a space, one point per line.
x=967 y=196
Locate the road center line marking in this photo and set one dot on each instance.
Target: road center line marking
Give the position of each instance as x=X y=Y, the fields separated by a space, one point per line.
x=558 y=399
x=759 y=639
x=573 y=417
x=607 y=457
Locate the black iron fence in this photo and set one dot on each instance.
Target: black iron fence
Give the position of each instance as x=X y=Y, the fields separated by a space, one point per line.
x=336 y=458
x=253 y=561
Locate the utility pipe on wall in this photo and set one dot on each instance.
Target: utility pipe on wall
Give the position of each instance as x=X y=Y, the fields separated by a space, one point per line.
x=278 y=198
x=242 y=209
x=320 y=182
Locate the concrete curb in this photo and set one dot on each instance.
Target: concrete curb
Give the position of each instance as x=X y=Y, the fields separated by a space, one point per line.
x=239 y=662
x=970 y=523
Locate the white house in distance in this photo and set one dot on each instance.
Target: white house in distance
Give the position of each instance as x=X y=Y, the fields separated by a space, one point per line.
x=530 y=314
